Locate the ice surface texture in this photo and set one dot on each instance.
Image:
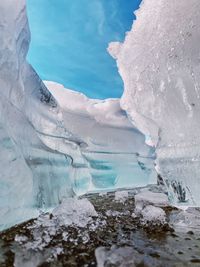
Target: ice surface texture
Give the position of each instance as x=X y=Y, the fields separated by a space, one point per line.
x=50 y=151
x=113 y=150
x=32 y=173
x=159 y=63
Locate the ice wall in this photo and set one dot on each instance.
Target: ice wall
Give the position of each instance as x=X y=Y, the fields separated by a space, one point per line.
x=114 y=150
x=48 y=150
x=32 y=174
x=159 y=62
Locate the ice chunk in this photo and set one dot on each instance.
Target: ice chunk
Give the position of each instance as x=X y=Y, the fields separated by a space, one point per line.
x=74 y=211
x=153 y=215
x=146 y=198
x=79 y=214
x=121 y=257
x=147 y=207
x=186 y=220
x=121 y=196
x=159 y=64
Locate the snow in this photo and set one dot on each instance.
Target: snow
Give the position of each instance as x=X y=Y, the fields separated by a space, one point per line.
x=106 y=111
x=159 y=64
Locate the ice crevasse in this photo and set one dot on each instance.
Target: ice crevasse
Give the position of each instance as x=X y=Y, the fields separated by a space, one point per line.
x=56 y=143
x=57 y=146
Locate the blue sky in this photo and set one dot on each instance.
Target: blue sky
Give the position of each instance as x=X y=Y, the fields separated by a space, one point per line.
x=69 y=41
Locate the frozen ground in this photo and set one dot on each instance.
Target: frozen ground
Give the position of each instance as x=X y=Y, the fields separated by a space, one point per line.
x=105 y=233
x=60 y=144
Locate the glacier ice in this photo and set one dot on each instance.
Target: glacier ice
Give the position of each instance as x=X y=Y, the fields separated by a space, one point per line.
x=159 y=63
x=57 y=143
x=112 y=147
x=52 y=149
x=32 y=173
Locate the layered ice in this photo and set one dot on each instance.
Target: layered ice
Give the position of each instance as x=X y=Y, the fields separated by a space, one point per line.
x=159 y=63
x=33 y=173
x=55 y=147
x=112 y=147
x=57 y=143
